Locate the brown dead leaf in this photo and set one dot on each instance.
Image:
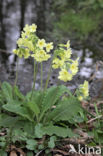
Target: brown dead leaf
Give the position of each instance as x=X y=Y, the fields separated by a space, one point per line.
x=13 y=153
x=59 y=151
x=2 y=134
x=13 y=149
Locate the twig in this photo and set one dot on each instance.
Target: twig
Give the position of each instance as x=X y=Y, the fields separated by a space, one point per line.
x=60 y=151
x=5 y=51
x=91 y=120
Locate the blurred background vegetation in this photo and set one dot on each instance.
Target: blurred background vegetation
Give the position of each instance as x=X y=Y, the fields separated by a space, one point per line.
x=79 y=20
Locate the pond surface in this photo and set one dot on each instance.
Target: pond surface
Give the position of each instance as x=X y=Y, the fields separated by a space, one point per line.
x=13 y=16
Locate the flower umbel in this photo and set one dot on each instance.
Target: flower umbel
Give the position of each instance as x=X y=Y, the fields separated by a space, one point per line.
x=85 y=89
x=83 y=92
x=29 y=45
x=63 y=61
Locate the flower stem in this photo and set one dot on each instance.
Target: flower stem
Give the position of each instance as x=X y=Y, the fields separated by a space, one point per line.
x=41 y=75
x=33 y=88
x=16 y=78
x=49 y=74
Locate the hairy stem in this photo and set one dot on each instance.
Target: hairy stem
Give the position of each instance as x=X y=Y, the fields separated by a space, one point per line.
x=41 y=75
x=16 y=78
x=33 y=88
x=49 y=74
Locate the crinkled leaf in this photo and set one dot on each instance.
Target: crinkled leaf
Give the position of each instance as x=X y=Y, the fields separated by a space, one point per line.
x=7 y=91
x=31 y=144
x=39 y=131
x=17 y=109
x=18 y=93
x=34 y=107
x=59 y=131
x=65 y=110
x=51 y=143
x=36 y=97
x=7 y=121
x=52 y=95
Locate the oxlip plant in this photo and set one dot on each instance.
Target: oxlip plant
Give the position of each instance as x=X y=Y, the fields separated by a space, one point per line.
x=36 y=121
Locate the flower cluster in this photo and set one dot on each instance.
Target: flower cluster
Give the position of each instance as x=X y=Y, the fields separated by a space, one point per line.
x=41 y=51
x=83 y=92
x=62 y=60
x=30 y=45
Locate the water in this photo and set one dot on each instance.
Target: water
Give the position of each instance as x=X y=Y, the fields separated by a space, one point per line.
x=13 y=16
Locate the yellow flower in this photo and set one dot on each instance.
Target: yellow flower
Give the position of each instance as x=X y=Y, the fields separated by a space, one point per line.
x=27 y=29
x=24 y=42
x=22 y=52
x=20 y=42
x=85 y=89
x=64 y=75
x=15 y=51
x=80 y=98
x=23 y=34
x=57 y=63
x=68 y=44
x=49 y=46
x=33 y=28
x=74 y=67
x=47 y=56
x=30 y=45
x=67 y=54
x=41 y=56
x=41 y=43
x=26 y=53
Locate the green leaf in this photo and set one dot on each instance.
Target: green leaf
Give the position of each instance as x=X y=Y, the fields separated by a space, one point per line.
x=7 y=91
x=65 y=110
x=7 y=121
x=31 y=144
x=2 y=144
x=1 y=99
x=39 y=131
x=30 y=154
x=3 y=153
x=51 y=143
x=18 y=93
x=36 y=97
x=41 y=147
x=14 y=102
x=34 y=107
x=20 y=110
x=28 y=127
x=58 y=131
x=52 y=95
